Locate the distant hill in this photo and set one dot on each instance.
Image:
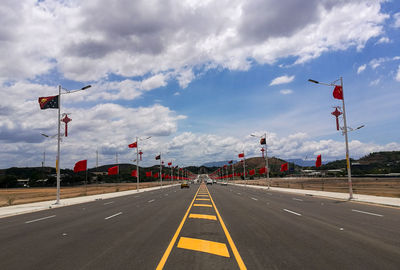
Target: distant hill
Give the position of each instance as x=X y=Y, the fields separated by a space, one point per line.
x=304 y=163
x=217 y=163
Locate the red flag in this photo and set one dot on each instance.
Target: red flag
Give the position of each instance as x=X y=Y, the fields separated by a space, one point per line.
x=284 y=167
x=263 y=141
x=158 y=157
x=148 y=174
x=134 y=173
x=169 y=163
x=156 y=175
x=252 y=172
x=133 y=145
x=230 y=162
x=225 y=166
x=262 y=170
x=113 y=170
x=241 y=155
x=80 y=166
x=338 y=92
x=318 y=162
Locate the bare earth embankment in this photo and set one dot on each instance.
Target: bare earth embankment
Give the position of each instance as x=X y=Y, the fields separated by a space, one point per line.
x=14 y=196
x=387 y=187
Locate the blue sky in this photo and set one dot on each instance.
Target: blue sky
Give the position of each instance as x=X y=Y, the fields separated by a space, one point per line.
x=198 y=77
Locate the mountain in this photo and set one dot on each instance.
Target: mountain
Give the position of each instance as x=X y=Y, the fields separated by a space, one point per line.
x=216 y=163
x=303 y=162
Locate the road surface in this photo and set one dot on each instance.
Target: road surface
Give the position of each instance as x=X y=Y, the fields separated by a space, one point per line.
x=204 y=227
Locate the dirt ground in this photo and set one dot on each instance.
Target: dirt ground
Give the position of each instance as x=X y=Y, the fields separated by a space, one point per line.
x=388 y=187
x=14 y=196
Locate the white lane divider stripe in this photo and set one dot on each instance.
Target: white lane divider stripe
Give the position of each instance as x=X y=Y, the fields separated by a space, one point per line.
x=39 y=219
x=368 y=213
x=117 y=214
x=151 y=201
x=300 y=200
x=292 y=212
x=108 y=203
x=254 y=198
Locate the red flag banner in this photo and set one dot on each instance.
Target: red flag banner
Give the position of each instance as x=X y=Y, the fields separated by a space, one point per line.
x=230 y=162
x=169 y=163
x=148 y=174
x=48 y=102
x=156 y=175
x=262 y=170
x=80 y=166
x=338 y=92
x=133 y=145
x=113 y=170
x=252 y=172
x=241 y=155
x=263 y=141
x=284 y=167
x=158 y=157
x=318 y=162
x=134 y=173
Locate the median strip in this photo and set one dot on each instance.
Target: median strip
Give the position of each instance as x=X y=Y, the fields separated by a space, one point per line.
x=206 y=246
x=211 y=217
x=201 y=199
x=202 y=205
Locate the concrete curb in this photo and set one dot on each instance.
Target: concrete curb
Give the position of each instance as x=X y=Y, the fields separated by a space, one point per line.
x=39 y=206
x=388 y=201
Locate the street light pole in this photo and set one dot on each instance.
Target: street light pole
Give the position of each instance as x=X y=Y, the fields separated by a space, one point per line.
x=137 y=164
x=345 y=131
x=266 y=161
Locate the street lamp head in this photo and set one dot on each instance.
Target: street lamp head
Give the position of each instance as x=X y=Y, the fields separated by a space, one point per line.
x=45 y=135
x=86 y=87
x=313 y=81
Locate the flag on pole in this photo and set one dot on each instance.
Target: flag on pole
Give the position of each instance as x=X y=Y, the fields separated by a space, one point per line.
x=155 y=175
x=113 y=170
x=148 y=174
x=134 y=173
x=169 y=163
x=252 y=172
x=262 y=170
x=80 y=166
x=48 y=102
x=284 y=167
x=263 y=141
x=241 y=155
x=158 y=157
x=133 y=145
x=338 y=92
x=230 y=162
x=318 y=162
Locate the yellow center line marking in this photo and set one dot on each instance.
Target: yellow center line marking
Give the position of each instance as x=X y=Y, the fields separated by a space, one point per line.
x=173 y=240
x=202 y=205
x=204 y=246
x=201 y=199
x=238 y=258
x=202 y=195
x=211 y=217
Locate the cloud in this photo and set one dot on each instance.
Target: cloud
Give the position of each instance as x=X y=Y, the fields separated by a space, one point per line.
x=396 y=18
x=398 y=74
x=177 y=94
x=375 y=82
x=286 y=91
x=383 y=40
x=361 y=68
x=282 y=80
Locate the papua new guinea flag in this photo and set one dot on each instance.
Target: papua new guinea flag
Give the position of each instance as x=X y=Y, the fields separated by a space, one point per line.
x=48 y=102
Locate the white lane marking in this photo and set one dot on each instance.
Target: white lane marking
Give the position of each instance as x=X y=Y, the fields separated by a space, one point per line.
x=294 y=213
x=117 y=214
x=300 y=200
x=108 y=203
x=368 y=213
x=151 y=201
x=254 y=199
x=239 y=193
x=39 y=219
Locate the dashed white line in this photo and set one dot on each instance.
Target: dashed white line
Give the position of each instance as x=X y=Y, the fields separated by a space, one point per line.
x=368 y=213
x=151 y=201
x=300 y=200
x=117 y=214
x=108 y=203
x=254 y=198
x=292 y=212
x=39 y=219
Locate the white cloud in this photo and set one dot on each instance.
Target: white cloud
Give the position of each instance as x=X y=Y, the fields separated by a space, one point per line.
x=398 y=74
x=396 y=18
x=361 y=68
x=383 y=40
x=286 y=91
x=375 y=82
x=282 y=80
x=177 y=94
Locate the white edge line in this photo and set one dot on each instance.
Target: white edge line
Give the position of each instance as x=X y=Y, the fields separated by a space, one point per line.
x=368 y=213
x=117 y=214
x=30 y=221
x=294 y=213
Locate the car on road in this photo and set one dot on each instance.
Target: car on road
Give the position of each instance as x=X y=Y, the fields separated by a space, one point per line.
x=185 y=184
x=209 y=181
x=224 y=183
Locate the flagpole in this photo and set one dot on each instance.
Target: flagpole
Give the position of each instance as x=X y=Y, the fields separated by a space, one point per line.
x=244 y=168
x=347 y=145
x=86 y=181
x=58 y=145
x=137 y=164
x=160 y=170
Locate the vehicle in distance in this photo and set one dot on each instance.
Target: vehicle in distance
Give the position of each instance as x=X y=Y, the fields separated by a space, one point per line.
x=209 y=181
x=224 y=183
x=185 y=184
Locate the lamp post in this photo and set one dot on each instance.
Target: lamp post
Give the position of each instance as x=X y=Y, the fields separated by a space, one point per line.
x=344 y=131
x=137 y=161
x=266 y=157
x=59 y=134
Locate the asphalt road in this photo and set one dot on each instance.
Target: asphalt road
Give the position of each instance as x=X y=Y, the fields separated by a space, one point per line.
x=213 y=227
